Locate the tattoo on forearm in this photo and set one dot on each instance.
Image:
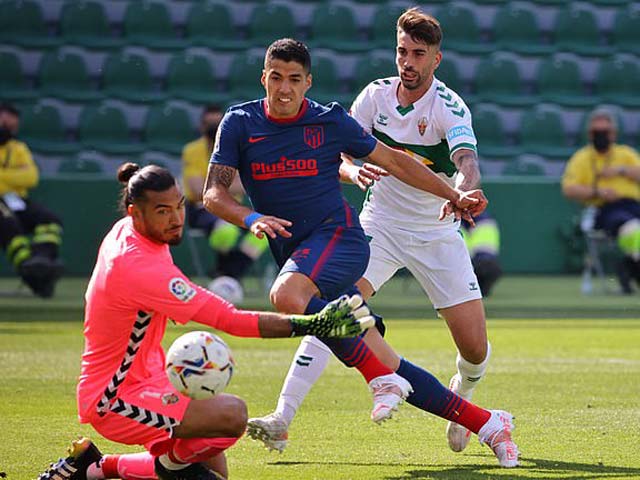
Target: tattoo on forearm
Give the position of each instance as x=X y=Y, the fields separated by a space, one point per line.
x=220 y=175
x=469 y=172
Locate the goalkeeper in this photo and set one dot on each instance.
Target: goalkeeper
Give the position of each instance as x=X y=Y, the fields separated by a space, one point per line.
x=123 y=390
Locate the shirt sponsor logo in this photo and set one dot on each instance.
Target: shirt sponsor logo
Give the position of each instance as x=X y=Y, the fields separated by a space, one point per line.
x=314 y=136
x=285 y=168
x=461 y=131
x=422 y=125
x=181 y=289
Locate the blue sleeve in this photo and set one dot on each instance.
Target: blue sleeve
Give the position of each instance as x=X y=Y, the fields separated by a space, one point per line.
x=357 y=142
x=226 y=150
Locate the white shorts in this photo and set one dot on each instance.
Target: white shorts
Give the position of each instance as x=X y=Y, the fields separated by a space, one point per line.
x=442 y=266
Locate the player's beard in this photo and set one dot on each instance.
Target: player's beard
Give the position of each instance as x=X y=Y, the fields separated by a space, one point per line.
x=414 y=84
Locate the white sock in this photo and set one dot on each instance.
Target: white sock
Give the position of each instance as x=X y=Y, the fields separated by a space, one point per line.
x=471 y=373
x=309 y=362
x=169 y=465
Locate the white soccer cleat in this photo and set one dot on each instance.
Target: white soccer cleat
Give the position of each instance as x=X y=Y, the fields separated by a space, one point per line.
x=497 y=434
x=271 y=430
x=389 y=391
x=457 y=435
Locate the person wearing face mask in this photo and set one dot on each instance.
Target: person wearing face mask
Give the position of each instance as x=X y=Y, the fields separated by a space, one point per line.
x=235 y=250
x=30 y=234
x=606 y=175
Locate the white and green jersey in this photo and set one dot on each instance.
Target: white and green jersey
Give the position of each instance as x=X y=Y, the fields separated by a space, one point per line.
x=430 y=130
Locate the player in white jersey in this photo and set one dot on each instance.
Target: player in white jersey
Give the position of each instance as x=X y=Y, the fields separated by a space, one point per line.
x=417 y=113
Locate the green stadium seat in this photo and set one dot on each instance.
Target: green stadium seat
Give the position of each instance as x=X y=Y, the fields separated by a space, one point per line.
x=618 y=81
x=244 y=77
x=542 y=132
x=515 y=28
x=492 y=139
x=22 y=23
x=334 y=26
x=104 y=128
x=461 y=30
x=576 y=30
x=168 y=128
x=610 y=3
x=85 y=23
x=13 y=84
x=42 y=130
x=148 y=23
x=64 y=75
x=523 y=168
x=327 y=87
x=79 y=165
x=497 y=80
x=127 y=76
x=383 y=26
x=270 y=22
x=372 y=67
x=211 y=25
x=559 y=81
x=550 y=2
x=191 y=77
x=448 y=72
x=625 y=35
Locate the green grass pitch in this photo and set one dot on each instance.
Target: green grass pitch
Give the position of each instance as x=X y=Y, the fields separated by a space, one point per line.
x=573 y=384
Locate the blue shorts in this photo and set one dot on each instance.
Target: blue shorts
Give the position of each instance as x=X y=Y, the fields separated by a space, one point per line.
x=334 y=257
x=612 y=216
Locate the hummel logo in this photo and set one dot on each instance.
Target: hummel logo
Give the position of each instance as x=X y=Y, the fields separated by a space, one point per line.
x=256 y=139
x=473 y=286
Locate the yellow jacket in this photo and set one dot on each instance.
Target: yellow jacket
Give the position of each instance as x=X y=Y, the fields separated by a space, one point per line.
x=18 y=171
x=195 y=163
x=584 y=166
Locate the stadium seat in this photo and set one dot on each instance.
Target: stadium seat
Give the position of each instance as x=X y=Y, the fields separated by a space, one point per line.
x=334 y=26
x=559 y=81
x=191 y=77
x=461 y=30
x=497 y=80
x=79 y=165
x=127 y=76
x=576 y=30
x=618 y=81
x=64 y=75
x=372 y=67
x=13 y=84
x=327 y=87
x=211 y=25
x=610 y=3
x=542 y=132
x=104 y=128
x=85 y=23
x=383 y=26
x=523 y=167
x=270 y=22
x=244 y=77
x=448 y=72
x=148 y=23
x=493 y=143
x=515 y=28
x=41 y=128
x=168 y=129
x=625 y=35
x=22 y=23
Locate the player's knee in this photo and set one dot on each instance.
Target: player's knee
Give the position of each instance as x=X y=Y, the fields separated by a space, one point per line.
x=229 y=416
x=284 y=301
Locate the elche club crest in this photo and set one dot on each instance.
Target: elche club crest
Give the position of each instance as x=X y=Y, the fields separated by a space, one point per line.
x=422 y=125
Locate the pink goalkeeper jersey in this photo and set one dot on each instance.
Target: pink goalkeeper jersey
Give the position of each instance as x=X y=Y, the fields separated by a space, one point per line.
x=132 y=274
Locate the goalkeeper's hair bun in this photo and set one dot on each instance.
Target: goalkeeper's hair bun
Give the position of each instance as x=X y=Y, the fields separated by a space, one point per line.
x=126 y=171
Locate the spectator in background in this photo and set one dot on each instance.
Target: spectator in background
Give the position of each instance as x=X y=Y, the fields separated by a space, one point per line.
x=235 y=249
x=606 y=175
x=483 y=243
x=30 y=234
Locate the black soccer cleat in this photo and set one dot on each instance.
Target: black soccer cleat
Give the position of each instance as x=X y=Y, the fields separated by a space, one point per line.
x=82 y=453
x=195 y=471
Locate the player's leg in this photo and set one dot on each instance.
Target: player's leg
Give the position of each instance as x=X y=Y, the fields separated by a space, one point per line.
x=621 y=220
x=13 y=240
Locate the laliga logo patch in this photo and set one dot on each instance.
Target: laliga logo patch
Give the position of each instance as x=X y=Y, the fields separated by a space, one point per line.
x=422 y=125
x=181 y=289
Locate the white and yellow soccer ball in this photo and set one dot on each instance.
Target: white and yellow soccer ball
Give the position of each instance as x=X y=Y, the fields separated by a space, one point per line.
x=199 y=365
x=228 y=288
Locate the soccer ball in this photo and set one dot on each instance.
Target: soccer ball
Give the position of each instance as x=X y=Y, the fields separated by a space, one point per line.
x=228 y=288
x=199 y=365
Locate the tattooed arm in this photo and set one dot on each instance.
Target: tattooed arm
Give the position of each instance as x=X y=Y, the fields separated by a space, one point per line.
x=468 y=176
x=219 y=201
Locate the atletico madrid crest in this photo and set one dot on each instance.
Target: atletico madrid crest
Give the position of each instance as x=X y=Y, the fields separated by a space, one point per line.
x=314 y=136
x=422 y=125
